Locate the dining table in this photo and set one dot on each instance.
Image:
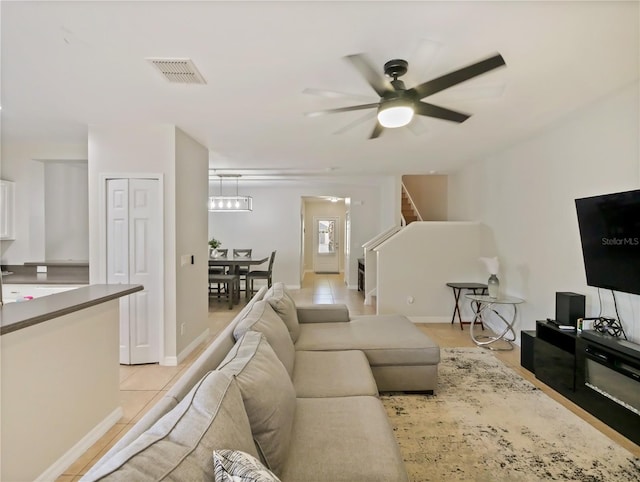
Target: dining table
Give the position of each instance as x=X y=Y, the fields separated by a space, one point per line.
x=234 y=263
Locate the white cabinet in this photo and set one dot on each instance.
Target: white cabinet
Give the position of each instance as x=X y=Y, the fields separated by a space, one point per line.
x=7 y=210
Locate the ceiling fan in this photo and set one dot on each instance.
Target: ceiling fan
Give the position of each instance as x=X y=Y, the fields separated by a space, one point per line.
x=397 y=104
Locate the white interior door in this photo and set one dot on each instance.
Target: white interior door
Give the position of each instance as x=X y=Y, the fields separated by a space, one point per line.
x=326 y=257
x=134 y=256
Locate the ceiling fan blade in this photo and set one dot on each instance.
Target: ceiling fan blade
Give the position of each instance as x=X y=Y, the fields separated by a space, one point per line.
x=448 y=80
x=417 y=127
x=377 y=130
x=431 y=110
x=333 y=94
x=358 y=121
x=342 y=109
x=375 y=79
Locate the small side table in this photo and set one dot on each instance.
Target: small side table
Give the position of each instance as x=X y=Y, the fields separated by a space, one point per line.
x=476 y=289
x=484 y=303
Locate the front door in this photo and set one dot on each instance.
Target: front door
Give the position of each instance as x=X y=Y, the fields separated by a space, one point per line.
x=326 y=257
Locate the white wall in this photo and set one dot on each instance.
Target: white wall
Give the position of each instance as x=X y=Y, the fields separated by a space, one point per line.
x=429 y=194
x=163 y=150
x=192 y=187
x=274 y=223
x=420 y=260
x=21 y=164
x=526 y=195
x=66 y=211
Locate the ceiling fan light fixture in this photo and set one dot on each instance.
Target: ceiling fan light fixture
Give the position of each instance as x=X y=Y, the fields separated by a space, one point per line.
x=395 y=114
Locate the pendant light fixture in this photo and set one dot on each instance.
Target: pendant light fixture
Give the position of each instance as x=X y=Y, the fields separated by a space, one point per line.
x=230 y=204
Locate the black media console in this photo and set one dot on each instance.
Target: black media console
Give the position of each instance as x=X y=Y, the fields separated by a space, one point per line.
x=598 y=372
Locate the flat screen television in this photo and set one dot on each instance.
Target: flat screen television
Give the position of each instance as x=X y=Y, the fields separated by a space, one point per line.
x=610 y=235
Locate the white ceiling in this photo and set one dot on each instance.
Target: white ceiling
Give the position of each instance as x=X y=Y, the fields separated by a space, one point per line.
x=69 y=64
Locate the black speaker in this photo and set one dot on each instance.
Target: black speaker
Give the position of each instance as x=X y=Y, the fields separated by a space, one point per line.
x=569 y=307
x=527 y=341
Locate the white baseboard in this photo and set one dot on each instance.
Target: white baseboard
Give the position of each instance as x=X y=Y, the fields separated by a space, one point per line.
x=293 y=287
x=192 y=346
x=169 y=361
x=74 y=453
x=430 y=319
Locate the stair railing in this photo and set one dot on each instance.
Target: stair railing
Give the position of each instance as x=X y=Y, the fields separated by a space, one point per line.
x=413 y=206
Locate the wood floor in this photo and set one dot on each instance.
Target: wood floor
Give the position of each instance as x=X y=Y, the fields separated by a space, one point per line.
x=142 y=386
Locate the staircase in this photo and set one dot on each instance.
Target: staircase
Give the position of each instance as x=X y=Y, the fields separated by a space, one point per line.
x=409 y=213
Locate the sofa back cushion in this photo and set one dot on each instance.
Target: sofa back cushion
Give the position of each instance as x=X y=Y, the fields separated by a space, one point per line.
x=262 y=318
x=268 y=395
x=282 y=303
x=179 y=445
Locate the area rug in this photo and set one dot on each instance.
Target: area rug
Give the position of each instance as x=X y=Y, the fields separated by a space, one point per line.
x=487 y=423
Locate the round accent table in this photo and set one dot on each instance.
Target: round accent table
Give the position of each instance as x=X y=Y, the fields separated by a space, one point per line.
x=480 y=304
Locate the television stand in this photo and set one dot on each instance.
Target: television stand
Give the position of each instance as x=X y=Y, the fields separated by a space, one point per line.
x=600 y=373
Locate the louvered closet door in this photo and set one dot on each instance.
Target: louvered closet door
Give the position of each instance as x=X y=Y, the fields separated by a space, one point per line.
x=134 y=256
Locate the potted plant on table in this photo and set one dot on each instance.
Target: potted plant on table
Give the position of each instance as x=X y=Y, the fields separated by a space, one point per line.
x=214 y=244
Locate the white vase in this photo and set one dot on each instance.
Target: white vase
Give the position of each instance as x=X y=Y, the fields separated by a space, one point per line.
x=493 y=285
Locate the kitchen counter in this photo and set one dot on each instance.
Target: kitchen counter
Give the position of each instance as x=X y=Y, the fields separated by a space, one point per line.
x=58 y=272
x=59 y=369
x=17 y=316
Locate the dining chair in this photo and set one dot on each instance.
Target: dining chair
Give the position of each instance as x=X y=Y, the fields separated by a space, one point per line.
x=218 y=253
x=221 y=252
x=231 y=283
x=242 y=270
x=260 y=274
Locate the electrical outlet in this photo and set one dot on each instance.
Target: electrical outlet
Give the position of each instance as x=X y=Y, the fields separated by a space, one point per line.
x=181 y=329
x=41 y=269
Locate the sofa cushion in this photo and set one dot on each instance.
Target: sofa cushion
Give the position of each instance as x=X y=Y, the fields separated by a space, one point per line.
x=268 y=395
x=385 y=340
x=331 y=313
x=179 y=445
x=340 y=439
x=262 y=318
x=283 y=304
x=332 y=374
x=238 y=466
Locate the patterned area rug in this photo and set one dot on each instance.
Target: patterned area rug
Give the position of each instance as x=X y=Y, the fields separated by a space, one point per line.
x=487 y=423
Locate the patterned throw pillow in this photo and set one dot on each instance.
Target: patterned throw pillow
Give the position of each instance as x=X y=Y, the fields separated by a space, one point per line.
x=238 y=466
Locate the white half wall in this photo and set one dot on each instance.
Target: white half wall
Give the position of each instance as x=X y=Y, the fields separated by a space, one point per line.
x=526 y=194
x=415 y=265
x=60 y=382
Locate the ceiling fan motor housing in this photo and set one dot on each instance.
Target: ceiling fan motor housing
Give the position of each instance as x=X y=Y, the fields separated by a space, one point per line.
x=396 y=68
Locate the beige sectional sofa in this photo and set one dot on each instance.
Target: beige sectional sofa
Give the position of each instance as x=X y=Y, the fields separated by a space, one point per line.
x=294 y=387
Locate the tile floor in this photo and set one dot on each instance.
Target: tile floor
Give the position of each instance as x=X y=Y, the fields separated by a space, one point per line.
x=143 y=385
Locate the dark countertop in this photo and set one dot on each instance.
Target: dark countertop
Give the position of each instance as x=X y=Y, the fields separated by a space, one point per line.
x=68 y=263
x=16 y=316
x=45 y=278
x=58 y=273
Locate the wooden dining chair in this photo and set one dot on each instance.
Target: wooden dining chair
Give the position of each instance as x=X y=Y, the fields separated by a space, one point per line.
x=231 y=284
x=243 y=270
x=260 y=274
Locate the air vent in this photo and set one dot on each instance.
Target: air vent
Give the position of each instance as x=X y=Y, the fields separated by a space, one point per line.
x=179 y=71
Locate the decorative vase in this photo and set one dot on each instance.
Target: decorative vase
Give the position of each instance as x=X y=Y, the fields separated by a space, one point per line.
x=493 y=285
